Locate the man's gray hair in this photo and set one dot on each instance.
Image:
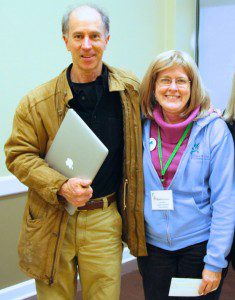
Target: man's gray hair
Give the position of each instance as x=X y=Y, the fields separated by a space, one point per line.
x=66 y=16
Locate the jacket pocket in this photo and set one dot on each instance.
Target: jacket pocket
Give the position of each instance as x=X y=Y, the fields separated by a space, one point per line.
x=33 y=225
x=33 y=245
x=204 y=209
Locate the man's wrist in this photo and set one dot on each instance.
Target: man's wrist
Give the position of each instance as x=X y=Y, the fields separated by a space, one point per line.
x=61 y=191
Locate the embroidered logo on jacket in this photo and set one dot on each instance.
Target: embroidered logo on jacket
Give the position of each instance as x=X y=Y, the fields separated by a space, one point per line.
x=195 y=148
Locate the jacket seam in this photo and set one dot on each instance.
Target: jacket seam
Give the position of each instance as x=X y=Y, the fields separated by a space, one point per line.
x=32 y=106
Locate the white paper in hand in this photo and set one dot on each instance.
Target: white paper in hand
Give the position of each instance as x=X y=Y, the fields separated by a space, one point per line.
x=184 y=287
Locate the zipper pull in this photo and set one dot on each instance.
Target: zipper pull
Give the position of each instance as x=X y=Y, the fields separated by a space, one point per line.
x=124 y=194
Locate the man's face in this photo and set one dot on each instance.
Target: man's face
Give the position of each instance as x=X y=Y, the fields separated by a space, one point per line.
x=86 y=39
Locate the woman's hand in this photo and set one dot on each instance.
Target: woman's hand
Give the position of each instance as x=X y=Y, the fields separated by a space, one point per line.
x=210 y=282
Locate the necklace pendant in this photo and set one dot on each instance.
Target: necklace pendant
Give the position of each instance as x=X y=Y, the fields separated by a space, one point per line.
x=162 y=179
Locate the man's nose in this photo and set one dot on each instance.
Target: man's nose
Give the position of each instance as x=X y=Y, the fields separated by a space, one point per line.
x=86 y=43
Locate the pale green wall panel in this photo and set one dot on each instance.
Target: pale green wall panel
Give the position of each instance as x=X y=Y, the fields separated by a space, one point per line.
x=179 y=24
x=10 y=221
x=185 y=25
x=169 y=24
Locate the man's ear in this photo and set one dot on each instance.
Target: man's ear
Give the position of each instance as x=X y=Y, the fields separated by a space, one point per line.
x=65 y=38
x=107 y=40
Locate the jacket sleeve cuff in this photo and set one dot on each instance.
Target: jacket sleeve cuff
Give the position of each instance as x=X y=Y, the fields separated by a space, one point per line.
x=50 y=194
x=212 y=268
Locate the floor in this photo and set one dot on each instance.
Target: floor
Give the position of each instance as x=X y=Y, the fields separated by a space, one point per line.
x=131 y=288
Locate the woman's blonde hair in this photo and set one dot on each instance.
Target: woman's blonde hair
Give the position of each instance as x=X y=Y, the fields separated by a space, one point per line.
x=229 y=114
x=198 y=95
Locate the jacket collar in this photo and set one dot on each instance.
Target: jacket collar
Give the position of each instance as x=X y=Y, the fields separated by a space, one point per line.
x=102 y=79
x=115 y=82
x=63 y=88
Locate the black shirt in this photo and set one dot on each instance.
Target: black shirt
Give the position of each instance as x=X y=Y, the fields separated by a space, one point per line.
x=102 y=112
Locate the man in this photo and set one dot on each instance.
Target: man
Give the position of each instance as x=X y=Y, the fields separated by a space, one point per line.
x=54 y=246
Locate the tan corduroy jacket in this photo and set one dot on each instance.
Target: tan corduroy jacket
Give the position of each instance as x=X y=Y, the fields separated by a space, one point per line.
x=36 y=122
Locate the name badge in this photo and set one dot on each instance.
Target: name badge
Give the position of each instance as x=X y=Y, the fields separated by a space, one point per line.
x=162 y=200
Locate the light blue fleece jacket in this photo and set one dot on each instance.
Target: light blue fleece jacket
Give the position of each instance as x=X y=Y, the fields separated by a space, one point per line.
x=203 y=194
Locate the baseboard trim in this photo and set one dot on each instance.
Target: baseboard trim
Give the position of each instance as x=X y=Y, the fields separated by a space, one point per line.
x=26 y=289
x=10 y=185
x=19 y=291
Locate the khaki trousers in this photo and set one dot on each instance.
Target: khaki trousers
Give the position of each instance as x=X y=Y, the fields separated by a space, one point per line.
x=92 y=248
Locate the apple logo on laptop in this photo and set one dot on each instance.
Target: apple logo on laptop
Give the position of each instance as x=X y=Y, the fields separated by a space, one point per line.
x=69 y=163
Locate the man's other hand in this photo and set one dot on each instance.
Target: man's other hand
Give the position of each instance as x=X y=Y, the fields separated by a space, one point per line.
x=76 y=191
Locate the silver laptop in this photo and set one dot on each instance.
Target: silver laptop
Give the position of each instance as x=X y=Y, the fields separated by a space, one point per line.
x=76 y=151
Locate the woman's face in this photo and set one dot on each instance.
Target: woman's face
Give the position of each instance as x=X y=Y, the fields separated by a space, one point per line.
x=172 y=90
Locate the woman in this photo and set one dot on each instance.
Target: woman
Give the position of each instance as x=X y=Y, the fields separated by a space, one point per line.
x=189 y=210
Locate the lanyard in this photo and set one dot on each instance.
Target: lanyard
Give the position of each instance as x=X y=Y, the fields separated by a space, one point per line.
x=163 y=170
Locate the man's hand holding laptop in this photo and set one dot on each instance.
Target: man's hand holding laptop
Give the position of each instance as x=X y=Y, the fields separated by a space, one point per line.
x=76 y=191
